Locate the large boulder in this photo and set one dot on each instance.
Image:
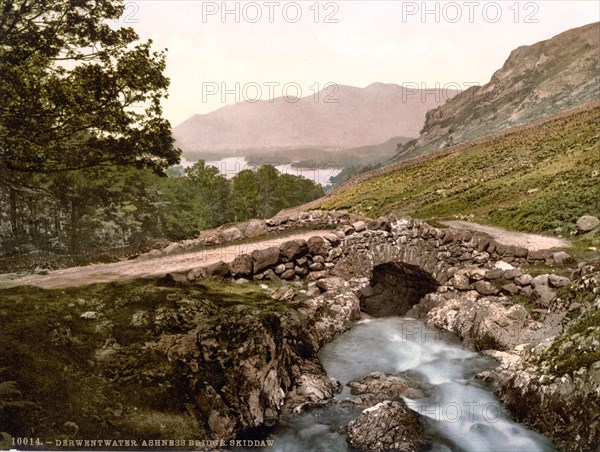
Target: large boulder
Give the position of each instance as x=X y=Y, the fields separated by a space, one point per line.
x=318 y=246
x=175 y=279
x=560 y=257
x=217 y=270
x=213 y=238
x=288 y=274
x=263 y=259
x=558 y=281
x=231 y=234
x=387 y=426
x=241 y=266
x=294 y=249
x=461 y=282
x=542 y=291
x=524 y=280
x=172 y=248
x=332 y=238
x=333 y=284
x=278 y=220
x=384 y=224
x=587 y=223
x=486 y=288
x=359 y=226
x=312 y=387
x=256 y=228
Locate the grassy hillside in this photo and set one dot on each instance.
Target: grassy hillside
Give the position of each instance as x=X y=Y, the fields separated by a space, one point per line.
x=538 y=180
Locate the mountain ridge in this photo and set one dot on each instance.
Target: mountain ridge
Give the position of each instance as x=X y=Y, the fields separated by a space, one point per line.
x=535 y=81
x=537 y=177
x=361 y=117
x=416 y=161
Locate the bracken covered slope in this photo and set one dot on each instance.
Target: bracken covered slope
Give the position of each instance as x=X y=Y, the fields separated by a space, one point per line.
x=538 y=179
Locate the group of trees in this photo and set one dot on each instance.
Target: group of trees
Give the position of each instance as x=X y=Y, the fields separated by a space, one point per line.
x=203 y=198
x=96 y=209
x=84 y=149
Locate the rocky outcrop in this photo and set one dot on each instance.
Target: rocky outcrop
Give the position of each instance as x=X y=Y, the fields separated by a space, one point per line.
x=233 y=365
x=330 y=314
x=560 y=376
x=565 y=408
x=522 y=91
x=263 y=259
x=312 y=387
x=377 y=387
x=389 y=425
x=549 y=371
x=241 y=266
x=256 y=228
x=485 y=322
x=294 y=249
x=231 y=234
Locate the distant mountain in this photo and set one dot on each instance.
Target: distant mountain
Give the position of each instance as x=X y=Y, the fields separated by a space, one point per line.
x=361 y=117
x=536 y=81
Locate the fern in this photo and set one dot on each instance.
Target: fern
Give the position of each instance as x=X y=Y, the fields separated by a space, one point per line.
x=9 y=393
x=8 y=389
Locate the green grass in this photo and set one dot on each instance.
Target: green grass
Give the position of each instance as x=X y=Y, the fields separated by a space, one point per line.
x=547 y=269
x=52 y=354
x=565 y=355
x=538 y=180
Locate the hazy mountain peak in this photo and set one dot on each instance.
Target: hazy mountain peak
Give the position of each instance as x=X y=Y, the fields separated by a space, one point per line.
x=341 y=116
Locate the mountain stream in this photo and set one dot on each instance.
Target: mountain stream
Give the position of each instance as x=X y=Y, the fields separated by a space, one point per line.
x=460 y=413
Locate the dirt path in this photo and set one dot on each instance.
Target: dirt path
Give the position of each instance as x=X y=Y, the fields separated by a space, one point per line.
x=147 y=268
x=505 y=237
x=160 y=266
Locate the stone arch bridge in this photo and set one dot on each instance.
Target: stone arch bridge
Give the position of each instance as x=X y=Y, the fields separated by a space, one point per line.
x=403 y=258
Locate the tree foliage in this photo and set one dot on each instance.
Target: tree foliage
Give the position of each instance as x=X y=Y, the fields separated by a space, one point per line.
x=76 y=93
x=196 y=201
x=95 y=210
x=264 y=192
x=83 y=142
x=244 y=195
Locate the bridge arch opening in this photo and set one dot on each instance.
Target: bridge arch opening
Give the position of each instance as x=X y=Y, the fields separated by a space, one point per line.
x=395 y=288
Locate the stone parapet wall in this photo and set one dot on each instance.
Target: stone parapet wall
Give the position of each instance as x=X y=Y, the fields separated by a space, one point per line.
x=426 y=258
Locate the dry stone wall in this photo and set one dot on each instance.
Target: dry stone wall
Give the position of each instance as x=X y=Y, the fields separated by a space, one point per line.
x=404 y=259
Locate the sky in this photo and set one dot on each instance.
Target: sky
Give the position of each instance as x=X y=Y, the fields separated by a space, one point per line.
x=220 y=52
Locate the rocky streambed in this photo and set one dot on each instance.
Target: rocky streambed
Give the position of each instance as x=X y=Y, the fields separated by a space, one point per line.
x=391 y=370
x=477 y=372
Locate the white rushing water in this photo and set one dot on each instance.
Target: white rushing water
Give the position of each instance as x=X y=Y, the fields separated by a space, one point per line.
x=460 y=412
